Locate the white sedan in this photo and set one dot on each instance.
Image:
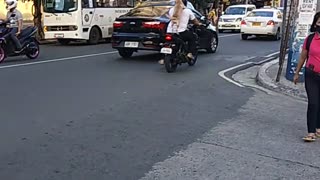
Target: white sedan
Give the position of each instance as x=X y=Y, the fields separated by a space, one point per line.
x=262 y=22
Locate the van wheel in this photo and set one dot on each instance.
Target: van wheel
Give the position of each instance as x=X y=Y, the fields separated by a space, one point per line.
x=94 y=36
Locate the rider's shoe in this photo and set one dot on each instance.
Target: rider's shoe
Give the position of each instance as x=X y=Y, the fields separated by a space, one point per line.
x=161 y=61
x=190 y=56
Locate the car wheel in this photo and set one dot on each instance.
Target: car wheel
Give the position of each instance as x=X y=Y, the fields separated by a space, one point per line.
x=64 y=41
x=213 y=44
x=244 y=36
x=94 y=36
x=277 y=36
x=125 y=53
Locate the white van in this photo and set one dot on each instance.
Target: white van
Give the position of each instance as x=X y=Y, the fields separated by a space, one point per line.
x=232 y=17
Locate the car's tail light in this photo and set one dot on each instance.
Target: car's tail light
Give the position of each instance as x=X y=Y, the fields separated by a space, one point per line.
x=168 y=37
x=270 y=23
x=243 y=22
x=154 y=25
x=117 y=24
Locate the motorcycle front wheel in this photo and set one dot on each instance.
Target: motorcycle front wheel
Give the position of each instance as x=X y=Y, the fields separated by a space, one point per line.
x=169 y=63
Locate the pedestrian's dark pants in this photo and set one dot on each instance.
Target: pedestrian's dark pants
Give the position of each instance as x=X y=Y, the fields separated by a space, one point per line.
x=312 y=85
x=191 y=39
x=14 y=38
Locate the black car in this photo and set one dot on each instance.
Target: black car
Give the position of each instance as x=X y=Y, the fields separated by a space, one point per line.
x=144 y=28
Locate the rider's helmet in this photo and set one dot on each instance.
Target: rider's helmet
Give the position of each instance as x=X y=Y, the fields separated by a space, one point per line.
x=11 y=4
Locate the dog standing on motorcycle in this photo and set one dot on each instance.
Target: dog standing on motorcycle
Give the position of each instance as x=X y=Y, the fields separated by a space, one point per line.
x=180 y=16
x=16 y=27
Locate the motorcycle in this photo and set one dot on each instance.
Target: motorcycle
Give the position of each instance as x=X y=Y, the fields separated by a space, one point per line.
x=30 y=46
x=175 y=50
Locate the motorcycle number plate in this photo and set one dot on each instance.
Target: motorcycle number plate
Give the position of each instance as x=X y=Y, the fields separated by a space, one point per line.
x=166 y=50
x=58 y=35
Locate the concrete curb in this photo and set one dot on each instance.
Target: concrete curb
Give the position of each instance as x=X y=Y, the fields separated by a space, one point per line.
x=262 y=77
x=267 y=82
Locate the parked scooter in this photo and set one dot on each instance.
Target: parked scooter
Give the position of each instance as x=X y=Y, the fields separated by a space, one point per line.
x=30 y=46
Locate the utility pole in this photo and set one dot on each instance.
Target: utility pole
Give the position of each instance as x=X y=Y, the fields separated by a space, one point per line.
x=287 y=33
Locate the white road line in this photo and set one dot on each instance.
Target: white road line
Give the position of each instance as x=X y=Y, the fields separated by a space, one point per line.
x=223 y=72
x=59 y=59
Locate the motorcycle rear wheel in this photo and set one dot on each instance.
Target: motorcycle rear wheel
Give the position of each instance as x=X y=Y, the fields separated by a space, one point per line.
x=33 y=51
x=2 y=54
x=168 y=63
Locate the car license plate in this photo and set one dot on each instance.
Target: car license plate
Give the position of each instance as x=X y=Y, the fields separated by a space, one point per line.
x=256 y=24
x=58 y=35
x=131 y=44
x=166 y=50
x=227 y=25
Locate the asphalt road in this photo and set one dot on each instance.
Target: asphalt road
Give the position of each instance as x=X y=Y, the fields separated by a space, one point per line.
x=81 y=112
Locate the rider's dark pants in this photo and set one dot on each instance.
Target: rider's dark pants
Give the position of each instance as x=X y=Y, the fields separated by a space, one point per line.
x=14 y=38
x=191 y=39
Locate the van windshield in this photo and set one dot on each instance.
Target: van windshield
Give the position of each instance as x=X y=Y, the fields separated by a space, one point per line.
x=235 y=11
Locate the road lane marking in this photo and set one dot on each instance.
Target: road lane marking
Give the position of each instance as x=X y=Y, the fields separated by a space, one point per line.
x=223 y=72
x=74 y=57
x=57 y=60
x=229 y=35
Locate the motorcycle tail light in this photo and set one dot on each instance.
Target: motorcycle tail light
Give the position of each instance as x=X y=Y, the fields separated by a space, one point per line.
x=168 y=37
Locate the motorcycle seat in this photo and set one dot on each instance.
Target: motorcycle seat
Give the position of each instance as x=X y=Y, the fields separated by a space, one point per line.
x=26 y=31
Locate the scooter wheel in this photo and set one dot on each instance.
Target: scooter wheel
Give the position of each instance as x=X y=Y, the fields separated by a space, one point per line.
x=33 y=50
x=2 y=55
x=168 y=63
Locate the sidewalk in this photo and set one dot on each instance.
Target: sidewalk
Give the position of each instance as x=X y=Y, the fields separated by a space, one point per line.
x=266 y=77
x=262 y=142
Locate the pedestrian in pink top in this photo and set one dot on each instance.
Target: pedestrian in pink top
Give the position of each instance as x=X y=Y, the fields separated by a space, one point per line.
x=311 y=54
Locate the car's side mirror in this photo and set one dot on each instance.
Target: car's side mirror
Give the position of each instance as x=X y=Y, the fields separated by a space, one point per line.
x=222 y=13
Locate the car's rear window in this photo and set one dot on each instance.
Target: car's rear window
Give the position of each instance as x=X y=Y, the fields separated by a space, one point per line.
x=150 y=11
x=261 y=14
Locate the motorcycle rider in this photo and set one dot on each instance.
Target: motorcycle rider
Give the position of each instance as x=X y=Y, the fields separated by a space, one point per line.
x=180 y=16
x=16 y=27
